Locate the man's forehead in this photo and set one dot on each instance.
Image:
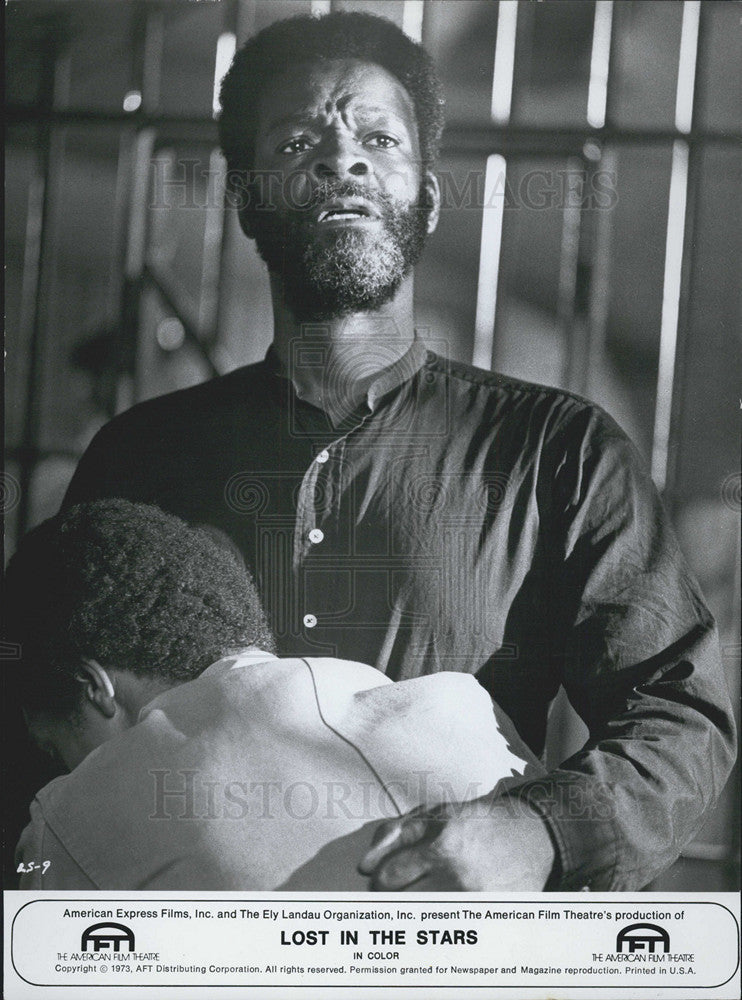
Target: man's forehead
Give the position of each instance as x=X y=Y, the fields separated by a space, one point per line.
x=311 y=88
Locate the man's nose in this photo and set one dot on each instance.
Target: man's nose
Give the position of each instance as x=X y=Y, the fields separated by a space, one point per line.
x=339 y=157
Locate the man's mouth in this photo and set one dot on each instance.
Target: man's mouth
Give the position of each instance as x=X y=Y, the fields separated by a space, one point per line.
x=343 y=211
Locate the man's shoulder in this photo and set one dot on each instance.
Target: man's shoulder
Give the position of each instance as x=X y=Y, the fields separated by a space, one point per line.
x=466 y=374
x=551 y=405
x=240 y=388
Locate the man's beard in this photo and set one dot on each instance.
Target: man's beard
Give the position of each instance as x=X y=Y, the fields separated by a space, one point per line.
x=332 y=273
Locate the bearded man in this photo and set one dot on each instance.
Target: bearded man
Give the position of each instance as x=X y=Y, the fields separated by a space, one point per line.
x=419 y=515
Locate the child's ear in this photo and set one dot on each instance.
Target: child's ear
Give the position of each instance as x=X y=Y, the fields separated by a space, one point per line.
x=97 y=687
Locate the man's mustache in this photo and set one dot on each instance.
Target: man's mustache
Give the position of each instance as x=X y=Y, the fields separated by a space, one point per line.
x=330 y=190
x=263 y=198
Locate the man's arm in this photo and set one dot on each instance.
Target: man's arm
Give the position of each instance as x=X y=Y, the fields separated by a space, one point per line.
x=640 y=662
x=641 y=665
x=486 y=844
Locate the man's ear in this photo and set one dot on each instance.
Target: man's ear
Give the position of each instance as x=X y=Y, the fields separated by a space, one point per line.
x=97 y=687
x=433 y=196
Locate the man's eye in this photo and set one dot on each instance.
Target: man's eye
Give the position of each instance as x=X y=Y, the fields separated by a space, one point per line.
x=382 y=141
x=298 y=145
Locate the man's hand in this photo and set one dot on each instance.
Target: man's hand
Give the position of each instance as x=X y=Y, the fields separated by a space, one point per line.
x=485 y=844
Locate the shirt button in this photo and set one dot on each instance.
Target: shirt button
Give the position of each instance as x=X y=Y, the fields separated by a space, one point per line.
x=322 y=457
x=310 y=621
x=316 y=535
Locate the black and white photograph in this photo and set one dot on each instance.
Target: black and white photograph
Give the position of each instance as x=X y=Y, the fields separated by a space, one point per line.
x=372 y=495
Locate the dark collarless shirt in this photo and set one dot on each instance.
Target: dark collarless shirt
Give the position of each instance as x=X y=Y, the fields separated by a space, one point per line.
x=460 y=520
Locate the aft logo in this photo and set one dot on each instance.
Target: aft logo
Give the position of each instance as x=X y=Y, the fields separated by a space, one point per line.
x=649 y=945
x=107 y=935
x=642 y=937
x=108 y=942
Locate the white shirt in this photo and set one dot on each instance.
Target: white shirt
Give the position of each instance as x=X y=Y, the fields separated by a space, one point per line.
x=266 y=773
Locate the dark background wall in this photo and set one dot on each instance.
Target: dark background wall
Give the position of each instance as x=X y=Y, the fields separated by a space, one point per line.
x=126 y=278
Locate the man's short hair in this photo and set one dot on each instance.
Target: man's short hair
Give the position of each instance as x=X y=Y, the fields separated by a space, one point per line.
x=340 y=35
x=131 y=587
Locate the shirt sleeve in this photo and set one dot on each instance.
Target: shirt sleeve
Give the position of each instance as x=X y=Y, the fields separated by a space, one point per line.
x=640 y=662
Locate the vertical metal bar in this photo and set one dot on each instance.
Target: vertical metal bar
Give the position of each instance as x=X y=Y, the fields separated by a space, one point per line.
x=504 y=67
x=670 y=311
x=215 y=231
x=412 y=19
x=225 y=49
x=494 y=204
x=136 y=235
x=695 y=159
x=136 y=250
x=612 y=91
x=239 y=20
x=586 y=356
x=597 y=91
x=600 y=285
x=580 y=346
x=120 y=208
x=35 y=251
x=36 y=218
x=687 y=58
x=212 y=249
x=493 y=213
x=568 y=260
x=136 y=242
x=678 y=248
x=147 y=41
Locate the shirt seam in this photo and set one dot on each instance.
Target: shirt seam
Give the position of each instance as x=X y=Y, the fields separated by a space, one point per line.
x=496 y=380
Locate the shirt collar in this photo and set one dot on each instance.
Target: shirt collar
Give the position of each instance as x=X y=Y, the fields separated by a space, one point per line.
x=242 y=659
x=404 y=369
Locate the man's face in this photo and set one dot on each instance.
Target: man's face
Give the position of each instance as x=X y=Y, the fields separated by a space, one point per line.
x=340 y=208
